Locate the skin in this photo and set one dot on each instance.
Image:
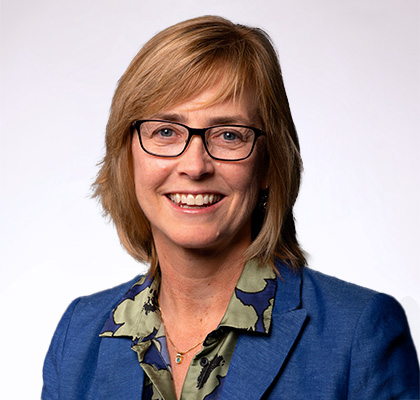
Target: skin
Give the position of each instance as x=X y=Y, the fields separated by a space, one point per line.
x=200 y=250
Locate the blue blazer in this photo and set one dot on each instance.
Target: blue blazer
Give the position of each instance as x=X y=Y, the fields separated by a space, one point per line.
x=329 y=340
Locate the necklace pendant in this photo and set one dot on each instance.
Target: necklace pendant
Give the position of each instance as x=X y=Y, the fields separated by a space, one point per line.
x=179 y=358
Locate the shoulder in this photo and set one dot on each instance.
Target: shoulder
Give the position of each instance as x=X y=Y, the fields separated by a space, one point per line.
x=101 y=302
x=75 y=343
x=330 y=289
x=88 y=314
x=91 y=312
x=371 y=328
x=346 y=302
x=363 y=333
x=341 y=311
x=316 y=290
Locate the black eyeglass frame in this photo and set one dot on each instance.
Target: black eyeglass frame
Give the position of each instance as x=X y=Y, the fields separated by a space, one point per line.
x=199 y=132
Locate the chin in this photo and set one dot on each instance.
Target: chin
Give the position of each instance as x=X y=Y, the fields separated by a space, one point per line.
x=197 y=244
x=196 y=240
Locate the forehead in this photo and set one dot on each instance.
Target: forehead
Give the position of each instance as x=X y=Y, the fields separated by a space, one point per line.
x=213 y=104
x=206 y=87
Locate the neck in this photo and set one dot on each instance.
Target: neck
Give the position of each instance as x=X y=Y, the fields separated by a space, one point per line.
x=193 y=284
x=197 y=286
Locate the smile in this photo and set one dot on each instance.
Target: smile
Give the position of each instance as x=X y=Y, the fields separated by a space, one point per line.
x=190 y=200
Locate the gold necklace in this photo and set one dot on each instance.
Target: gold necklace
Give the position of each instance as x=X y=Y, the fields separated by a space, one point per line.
x=179 y=354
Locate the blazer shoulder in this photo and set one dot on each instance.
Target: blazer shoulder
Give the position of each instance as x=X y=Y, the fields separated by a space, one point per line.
x=104 y=300
x=92 y=310
x=86 y=315
x=336 y=291
x=345 y=302
x=75 y=343
x=363 y=333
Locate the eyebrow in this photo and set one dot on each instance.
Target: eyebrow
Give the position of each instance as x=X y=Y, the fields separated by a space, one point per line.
x=218 y=120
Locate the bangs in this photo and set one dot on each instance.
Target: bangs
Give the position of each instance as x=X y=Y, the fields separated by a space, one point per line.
x=201 y=64
x=230 y=85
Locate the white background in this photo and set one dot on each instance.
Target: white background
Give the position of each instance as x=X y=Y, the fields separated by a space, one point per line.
x=352 y=73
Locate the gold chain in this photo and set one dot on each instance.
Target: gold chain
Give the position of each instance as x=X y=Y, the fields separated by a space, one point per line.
x=179 y=354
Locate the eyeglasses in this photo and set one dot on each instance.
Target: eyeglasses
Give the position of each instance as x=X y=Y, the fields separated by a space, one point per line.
x=170 y=139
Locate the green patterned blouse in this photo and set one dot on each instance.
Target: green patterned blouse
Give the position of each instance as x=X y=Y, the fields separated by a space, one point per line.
x=137 y=316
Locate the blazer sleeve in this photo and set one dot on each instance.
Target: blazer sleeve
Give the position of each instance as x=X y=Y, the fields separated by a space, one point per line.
x=384 y=362
x=52 y=363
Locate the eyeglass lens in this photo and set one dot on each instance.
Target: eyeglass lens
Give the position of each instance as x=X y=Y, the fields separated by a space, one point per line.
x=169 y=139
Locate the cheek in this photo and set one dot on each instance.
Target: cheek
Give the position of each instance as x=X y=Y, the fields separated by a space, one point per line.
x=145 y=182
x=246 y=180
x=144 y=178
x=149 y=171
x=147 y=174
x=254 y=178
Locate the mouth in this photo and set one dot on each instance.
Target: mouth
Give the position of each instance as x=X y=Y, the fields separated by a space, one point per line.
x=194 y=201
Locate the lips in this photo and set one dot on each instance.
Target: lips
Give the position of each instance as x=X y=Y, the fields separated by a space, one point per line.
x=194 y=200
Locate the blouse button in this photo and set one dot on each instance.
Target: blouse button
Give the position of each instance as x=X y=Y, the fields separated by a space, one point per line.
x=204 y=361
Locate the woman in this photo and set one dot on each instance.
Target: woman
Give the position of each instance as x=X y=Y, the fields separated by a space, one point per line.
x=201 y=173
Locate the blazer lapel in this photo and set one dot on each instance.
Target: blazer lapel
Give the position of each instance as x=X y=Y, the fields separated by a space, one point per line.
x=258 y=359
x=120 y=376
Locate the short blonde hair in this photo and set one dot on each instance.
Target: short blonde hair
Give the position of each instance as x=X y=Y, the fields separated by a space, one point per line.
x=174 y=66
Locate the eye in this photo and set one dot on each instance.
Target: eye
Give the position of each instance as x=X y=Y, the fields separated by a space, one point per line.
x=165 y=132
x=229 y=136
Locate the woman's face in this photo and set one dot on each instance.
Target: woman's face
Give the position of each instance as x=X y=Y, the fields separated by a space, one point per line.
x=161 y=182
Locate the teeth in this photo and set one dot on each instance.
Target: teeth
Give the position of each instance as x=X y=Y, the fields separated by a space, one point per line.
x=191 y=200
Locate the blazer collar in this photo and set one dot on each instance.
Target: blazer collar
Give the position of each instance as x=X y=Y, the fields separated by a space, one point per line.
x=265 y=355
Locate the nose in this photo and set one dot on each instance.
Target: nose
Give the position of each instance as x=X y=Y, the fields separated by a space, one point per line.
x=195 y=161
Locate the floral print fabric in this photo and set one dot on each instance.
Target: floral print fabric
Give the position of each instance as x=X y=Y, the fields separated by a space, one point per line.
x=137 y=316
